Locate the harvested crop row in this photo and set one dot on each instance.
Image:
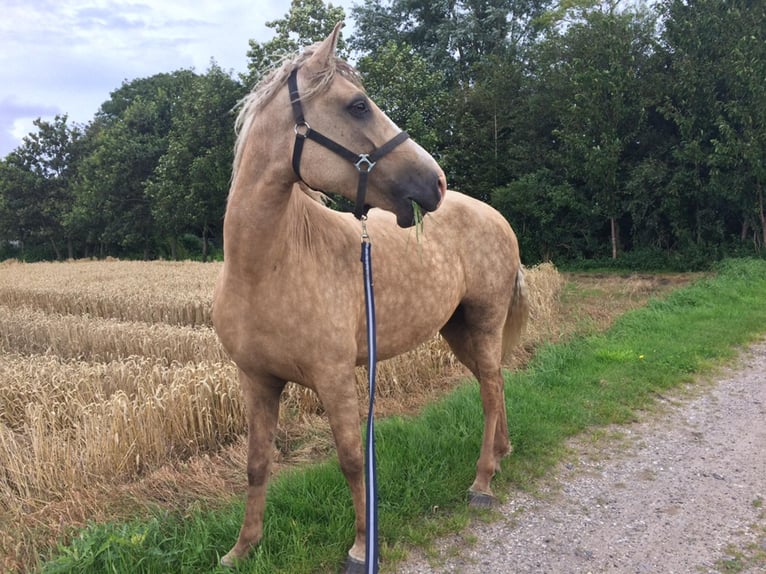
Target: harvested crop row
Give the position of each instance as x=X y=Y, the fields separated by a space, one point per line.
x=28 y=331
x=178 y=293
x=66 y=423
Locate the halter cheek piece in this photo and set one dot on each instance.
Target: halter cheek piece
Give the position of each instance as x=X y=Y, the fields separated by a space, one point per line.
x=364 y=162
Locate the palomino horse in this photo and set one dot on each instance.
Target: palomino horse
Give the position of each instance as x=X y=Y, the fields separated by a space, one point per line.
x=289 y=303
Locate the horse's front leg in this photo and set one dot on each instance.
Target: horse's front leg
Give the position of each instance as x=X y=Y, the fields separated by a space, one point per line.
x=261 y=396
x=338 y=396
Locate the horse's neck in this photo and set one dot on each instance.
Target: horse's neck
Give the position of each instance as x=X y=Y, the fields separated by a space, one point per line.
x=268 y=219
x=257 y=205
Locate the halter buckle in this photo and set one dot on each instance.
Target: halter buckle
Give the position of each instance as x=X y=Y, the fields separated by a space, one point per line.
x=364 y=159
x=302 y=129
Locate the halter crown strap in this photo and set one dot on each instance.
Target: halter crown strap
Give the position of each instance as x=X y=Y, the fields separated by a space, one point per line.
x=363 y=162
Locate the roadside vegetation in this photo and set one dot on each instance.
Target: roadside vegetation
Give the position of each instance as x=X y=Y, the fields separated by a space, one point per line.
x=589 y=377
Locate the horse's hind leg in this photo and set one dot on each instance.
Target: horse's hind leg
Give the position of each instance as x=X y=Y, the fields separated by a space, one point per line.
x=262 y=400
x=480 y=349
x=494 y=444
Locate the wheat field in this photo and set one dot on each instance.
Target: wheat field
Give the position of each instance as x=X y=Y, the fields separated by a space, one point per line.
x=110 y=369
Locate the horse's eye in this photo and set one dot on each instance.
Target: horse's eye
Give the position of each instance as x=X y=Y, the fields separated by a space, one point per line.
x=359 y=107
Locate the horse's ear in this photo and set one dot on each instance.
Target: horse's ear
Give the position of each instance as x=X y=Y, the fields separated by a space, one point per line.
x=325 y=52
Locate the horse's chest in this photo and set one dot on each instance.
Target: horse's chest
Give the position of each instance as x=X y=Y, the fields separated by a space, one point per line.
x=286 y=321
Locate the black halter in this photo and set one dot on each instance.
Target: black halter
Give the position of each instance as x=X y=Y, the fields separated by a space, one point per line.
x=364 y=162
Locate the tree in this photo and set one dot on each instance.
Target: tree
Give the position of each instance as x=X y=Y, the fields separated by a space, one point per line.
x=307 y=22
x=600 y=61
x=715 y=100
x=481 y=145
x=36 y=183
x=416 y=101
x=738 y=164
x=549 y=216
x=21 y=192
x=127 y=139
x=189 y=186
x=453 y=36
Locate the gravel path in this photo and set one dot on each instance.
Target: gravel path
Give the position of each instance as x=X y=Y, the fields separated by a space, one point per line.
x=679 y=492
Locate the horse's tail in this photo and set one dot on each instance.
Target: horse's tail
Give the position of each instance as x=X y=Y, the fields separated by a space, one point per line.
x=518 y=314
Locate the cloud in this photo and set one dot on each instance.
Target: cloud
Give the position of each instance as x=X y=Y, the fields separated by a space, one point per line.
x=16 y=121
x=66 y=56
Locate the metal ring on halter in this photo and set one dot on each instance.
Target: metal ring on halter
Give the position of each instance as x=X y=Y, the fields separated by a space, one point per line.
x=364 y=159
x=302 y=129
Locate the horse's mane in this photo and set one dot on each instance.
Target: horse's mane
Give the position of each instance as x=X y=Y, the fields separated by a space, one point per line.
x=274 y=80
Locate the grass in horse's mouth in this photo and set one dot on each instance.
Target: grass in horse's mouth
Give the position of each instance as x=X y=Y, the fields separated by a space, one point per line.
x=418 y=215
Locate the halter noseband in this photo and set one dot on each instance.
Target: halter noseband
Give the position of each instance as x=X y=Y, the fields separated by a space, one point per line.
x=364 y=162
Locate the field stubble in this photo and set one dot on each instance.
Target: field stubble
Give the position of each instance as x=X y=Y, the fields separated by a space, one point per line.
x=116 y=393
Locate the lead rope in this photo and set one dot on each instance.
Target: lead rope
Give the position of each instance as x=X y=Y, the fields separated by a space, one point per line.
x=371 y=554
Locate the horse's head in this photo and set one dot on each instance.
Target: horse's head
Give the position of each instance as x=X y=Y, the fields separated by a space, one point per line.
x=337 y=135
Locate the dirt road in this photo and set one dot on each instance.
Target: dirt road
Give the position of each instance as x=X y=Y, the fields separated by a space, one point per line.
x=682 y=492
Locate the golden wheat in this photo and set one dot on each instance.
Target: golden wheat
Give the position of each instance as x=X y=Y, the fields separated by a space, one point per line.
x=544 y=285
x=178 y=293
x=110 y=369
x=26 y=330
x=66 y=423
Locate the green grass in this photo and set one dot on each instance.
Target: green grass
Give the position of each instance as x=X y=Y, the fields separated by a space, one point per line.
x=426 y=463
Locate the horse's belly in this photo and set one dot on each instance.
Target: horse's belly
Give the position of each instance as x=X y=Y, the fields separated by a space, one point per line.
x=407 y=317
x=418 y=283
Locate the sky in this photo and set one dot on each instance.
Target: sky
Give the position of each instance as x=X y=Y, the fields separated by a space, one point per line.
x=66 y=56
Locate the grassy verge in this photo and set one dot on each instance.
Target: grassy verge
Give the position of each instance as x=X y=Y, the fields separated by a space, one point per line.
x=427 y=462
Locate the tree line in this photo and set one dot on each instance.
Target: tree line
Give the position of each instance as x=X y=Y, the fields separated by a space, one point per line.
x=606 y=130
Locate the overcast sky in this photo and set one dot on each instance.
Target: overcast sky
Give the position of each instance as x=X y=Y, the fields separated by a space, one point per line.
x=66 y=56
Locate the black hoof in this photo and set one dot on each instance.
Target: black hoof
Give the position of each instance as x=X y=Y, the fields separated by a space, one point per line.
x=481 y=500
x=353 y=566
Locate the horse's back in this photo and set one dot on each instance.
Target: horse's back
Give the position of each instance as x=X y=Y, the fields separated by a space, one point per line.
x=465 y=256
x=464 y=211
x=464 y=237
x=484 y=238
x=461 y=216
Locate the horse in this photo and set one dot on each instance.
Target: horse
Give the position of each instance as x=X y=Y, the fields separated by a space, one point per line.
x=289 y=302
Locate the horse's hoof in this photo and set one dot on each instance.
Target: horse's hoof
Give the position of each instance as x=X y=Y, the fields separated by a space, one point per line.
x=353 y=566
x=481 y=500
x=230 y=560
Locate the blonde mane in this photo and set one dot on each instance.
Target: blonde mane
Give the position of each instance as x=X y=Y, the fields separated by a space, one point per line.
x=274 y=80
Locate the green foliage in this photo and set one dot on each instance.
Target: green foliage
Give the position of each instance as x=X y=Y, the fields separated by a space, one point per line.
x=600 y=129
x=190 y=182
x=307 y=22
x=425 y=463
x=127 y=140
x=599 y=62
x=548 y=216
x=417 y=101
x=36 y=189
x=716 y=101
x=453 y=37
